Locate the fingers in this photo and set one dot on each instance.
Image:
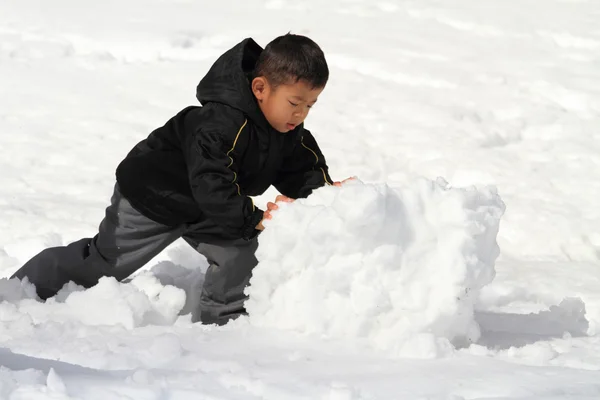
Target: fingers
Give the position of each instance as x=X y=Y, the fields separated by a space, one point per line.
x=280 y=198
x=266 y=215
x=272 y=207
x=338 y=183
x=283 y=198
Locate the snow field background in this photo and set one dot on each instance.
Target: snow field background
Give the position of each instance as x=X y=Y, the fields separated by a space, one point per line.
x=480 y=93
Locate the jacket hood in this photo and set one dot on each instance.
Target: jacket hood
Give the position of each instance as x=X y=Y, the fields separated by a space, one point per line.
x=228 y=81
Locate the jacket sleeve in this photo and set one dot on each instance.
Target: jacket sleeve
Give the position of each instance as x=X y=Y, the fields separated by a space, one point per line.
x=213 y=179
x=304 y=170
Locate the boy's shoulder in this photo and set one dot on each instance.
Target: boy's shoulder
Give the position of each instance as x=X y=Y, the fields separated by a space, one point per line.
x=215 y=118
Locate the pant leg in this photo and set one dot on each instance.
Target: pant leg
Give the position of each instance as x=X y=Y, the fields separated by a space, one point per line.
x=230 y=267
x=126 y=241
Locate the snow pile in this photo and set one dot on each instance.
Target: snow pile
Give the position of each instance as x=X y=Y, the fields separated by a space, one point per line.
x=12 y=290
x=143 y=301
x=190 y=280
x=399 y=267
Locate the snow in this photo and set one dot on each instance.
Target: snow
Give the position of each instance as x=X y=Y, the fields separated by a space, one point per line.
x=487 y=94
x=364 y=260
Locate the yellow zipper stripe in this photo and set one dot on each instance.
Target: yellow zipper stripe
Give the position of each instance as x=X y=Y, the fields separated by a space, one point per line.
x=234 y=143
x=316 y=160
x=325 y=177
x=239 y=190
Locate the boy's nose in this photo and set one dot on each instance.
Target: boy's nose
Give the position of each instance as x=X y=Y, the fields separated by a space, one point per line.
x=299 y=113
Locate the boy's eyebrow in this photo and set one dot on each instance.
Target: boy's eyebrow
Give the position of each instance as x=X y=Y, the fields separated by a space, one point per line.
x=302 y=99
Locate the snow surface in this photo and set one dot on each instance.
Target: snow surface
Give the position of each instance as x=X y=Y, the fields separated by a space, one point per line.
x=402 y=269
x=386 y=288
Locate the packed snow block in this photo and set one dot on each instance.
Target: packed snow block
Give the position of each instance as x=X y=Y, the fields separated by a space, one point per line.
x=398 y=267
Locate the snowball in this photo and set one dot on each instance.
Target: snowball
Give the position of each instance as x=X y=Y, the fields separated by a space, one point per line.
x=190 y=280
x=399 y=267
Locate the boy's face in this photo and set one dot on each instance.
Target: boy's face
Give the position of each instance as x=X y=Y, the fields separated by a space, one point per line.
x=285 y=106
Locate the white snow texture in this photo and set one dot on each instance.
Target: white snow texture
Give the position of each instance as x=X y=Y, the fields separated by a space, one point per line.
x=400 y=267
x=390 y=287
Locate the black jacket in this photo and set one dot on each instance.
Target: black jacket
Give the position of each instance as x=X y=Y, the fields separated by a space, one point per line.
x=205 y=162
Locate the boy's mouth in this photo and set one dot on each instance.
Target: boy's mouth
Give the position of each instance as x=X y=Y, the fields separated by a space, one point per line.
x=290 y=126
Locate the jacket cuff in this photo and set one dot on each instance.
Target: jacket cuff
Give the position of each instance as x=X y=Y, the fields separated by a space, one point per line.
x=249 y=230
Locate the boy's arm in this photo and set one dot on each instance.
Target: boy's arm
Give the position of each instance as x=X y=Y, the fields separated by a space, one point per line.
x=304 y=171
x=213 y=179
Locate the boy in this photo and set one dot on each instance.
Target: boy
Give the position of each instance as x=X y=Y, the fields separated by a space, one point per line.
x=192 y=178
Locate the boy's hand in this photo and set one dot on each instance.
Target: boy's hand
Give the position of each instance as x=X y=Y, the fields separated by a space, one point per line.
x=271 y=207
x=260 y=226
x=338 y=183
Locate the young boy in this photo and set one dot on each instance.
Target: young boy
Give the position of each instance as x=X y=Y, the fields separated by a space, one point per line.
x=192 y=178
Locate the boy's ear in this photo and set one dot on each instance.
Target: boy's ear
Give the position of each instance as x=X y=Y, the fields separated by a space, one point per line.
x=260 y=87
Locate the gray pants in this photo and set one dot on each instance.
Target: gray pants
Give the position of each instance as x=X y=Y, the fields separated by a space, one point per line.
x=127 y=240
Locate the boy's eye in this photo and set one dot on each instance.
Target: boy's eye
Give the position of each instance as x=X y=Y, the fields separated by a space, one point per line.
x=293 y=104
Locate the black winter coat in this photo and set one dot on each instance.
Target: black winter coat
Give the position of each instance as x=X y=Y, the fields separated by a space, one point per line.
x=205 y=162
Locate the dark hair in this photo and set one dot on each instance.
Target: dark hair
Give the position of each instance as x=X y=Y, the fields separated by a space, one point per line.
x=291 y=58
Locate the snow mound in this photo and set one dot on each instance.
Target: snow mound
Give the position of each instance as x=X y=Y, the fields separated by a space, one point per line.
x=143 y=301
x=12 y=290
x=400 y=268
